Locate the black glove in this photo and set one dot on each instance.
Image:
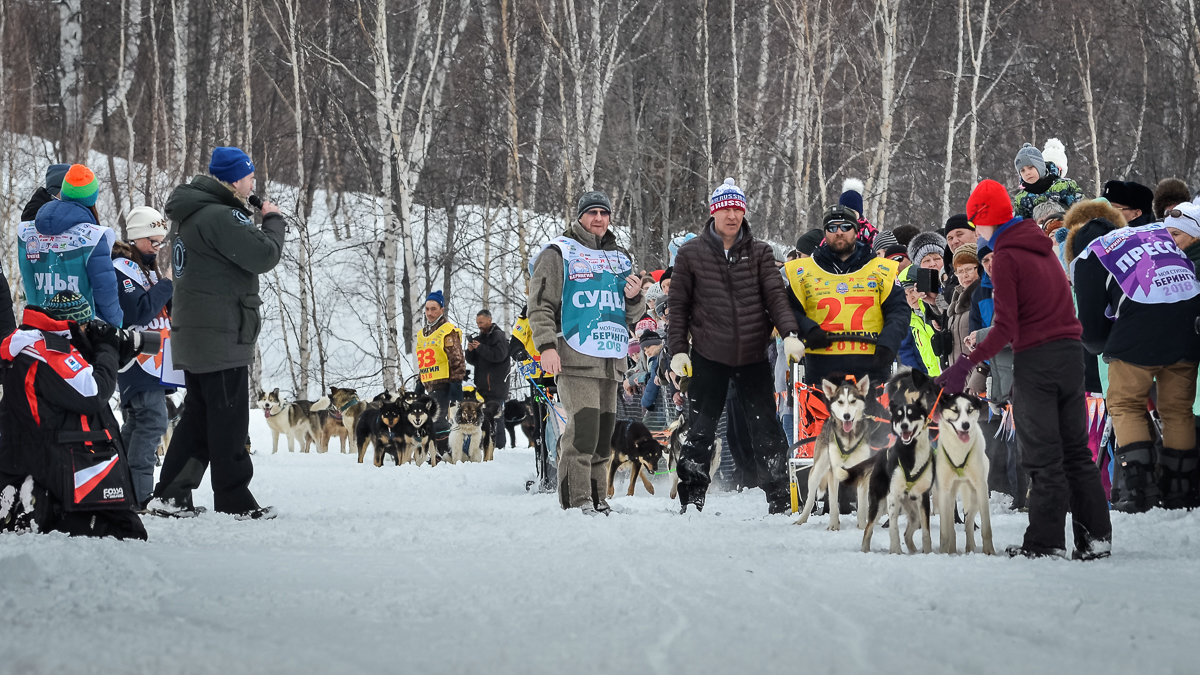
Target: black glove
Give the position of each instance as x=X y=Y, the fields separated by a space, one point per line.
x=102 y=333
x=884 y=358
x=817 y=338
x=80 y=340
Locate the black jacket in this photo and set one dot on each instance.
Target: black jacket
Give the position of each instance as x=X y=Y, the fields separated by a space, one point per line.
x=491 y=363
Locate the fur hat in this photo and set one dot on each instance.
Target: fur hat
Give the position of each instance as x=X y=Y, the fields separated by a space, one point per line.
x=1054 y=152
x=80 y=185
x=1168 y=193
x=144 y=221
x=1189 y=220
x=905 y=233
x=1131 y=194
x=1030 y=156
x=68 y=306
x=230 y=164
x=925 y=243
x=964 y=255
x=1083 y=212
x=727 y=195
x=989 y=204
x=852 y=189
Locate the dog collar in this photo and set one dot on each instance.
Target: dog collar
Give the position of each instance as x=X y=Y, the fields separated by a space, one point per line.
x=349 y=404
x=335 y=414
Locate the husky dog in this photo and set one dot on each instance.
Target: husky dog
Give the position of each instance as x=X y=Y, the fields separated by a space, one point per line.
x=843 y=450
x=679 y=429
x=420 y=411
x=293 y=420
x=902 y=475
x=962 y=465
x=330 y=424
x=469 y=423
x=381 y=428
x=492 y=411
x=633 y=444
x=531 y=425
x=344 y=402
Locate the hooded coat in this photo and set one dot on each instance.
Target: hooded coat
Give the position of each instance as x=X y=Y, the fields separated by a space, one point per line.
x=217 y=256
x=70 y=246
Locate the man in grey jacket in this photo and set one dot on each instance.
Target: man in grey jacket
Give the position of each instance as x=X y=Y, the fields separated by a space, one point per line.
x=583 y=297
x=216 y=257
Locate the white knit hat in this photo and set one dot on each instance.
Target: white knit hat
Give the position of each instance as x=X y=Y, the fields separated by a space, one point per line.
x=1188 y=222
x=144 y=221
x=1056 y=152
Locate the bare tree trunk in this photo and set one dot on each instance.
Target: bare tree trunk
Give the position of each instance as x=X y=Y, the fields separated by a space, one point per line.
x=1083 y=65
x=179 y=89
x=736 y=112
x=708 y=125
x=70 y=90
x=515 y=185
x=952 y=123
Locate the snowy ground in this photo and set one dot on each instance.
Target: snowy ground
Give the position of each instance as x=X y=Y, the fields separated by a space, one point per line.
x=458 y=570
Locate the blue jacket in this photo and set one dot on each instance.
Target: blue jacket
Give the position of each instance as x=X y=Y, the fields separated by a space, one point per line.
x=64 y=248
x=142 y=301
x=981 y=305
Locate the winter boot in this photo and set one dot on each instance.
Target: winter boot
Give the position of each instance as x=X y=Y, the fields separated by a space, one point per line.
x=1139 y=491
x=1088 y=547
x=686 y=497
x=598 y=499
x=1179 y=481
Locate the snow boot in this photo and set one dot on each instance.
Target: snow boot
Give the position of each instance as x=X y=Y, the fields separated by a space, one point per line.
x=1139 y=491
x=174 y=508
x=599 y=501
x=1035 y=553
x=1179 y=481
x=1088 y=547
x=258 y=513
x=687 y=498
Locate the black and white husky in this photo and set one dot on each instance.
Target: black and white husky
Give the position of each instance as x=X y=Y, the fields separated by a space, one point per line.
x=962 y=468
x=842 y=451
x=293 y=420
x=902 y=476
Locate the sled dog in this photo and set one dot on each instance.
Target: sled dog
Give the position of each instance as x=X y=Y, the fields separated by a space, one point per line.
x=469 y=422
x=633 y=444
x=345 y=402
x=902 y=475
x=842 y=451
x=515 y=413
x=420 y=411
x=292 y=420
x=381 y=428
x=962 y=468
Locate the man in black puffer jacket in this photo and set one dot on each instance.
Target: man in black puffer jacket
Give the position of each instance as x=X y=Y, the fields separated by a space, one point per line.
x=488 y=352
x=727 y=295
x=1138 y=301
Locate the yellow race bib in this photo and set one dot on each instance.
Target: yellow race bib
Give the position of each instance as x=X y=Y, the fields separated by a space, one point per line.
x=432 y=362
x=846 y=305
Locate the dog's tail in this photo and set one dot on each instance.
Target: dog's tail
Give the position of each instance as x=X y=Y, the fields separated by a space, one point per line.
x=322 y=403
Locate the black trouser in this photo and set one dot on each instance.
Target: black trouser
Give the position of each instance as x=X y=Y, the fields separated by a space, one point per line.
x=737 y=433
x=1051 y=419
x=212 y=430
x=755 y=398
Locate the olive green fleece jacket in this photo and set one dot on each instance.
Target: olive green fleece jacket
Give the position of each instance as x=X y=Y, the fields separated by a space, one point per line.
x=545 y=308
x=217 y=254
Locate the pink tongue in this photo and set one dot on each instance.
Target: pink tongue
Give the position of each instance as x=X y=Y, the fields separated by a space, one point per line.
x=847 y=426
x=964 y=436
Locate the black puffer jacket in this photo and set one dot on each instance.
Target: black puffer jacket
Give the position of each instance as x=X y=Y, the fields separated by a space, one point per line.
x=491 y=363
x=729 y=306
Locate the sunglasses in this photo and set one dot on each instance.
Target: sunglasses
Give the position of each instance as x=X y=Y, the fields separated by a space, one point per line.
x=1176 y=213
x=597 y=212
x=839 y=227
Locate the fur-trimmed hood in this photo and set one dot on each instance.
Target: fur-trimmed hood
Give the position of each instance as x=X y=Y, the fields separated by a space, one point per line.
x=1081 y=214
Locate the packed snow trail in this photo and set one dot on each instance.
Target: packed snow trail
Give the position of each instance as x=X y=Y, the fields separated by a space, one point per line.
x=456 y=569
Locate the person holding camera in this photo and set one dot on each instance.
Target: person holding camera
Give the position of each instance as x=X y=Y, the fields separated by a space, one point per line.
x=488 y=352
x=216 y=258
x=845 y=302
x=144 y=302
x=63 y=465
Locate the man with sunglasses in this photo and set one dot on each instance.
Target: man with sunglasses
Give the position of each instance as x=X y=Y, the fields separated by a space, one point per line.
x=728 y=297
x=144 y=298
x=584 y=296
x=847 y=306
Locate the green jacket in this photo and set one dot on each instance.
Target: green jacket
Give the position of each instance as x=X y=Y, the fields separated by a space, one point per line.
x=217 y=256
x=545 y=308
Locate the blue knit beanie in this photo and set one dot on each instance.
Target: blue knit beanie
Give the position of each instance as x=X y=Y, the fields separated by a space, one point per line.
x=851 y=197
x=437 y=297
x=230 y=164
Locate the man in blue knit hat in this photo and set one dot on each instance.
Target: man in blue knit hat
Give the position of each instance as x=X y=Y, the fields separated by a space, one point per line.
x=216 y=258
x=441 y=366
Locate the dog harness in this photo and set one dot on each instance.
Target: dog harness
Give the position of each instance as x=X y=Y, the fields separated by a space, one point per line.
x=911 y=479
x=959 y=468
x=846 y=453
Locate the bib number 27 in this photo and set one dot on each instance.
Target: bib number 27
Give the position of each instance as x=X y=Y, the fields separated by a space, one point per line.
x=833 y=310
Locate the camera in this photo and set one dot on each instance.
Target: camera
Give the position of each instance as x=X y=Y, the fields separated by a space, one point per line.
x=928 y=281
x=130 y=342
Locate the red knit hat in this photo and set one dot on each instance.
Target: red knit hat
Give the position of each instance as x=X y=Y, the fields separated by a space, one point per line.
x=989 y=204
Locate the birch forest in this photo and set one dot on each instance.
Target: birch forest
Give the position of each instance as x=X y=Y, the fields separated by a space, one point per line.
x=505 y=110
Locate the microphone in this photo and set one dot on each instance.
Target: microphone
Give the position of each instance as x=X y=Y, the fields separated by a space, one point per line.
x=255 y=202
